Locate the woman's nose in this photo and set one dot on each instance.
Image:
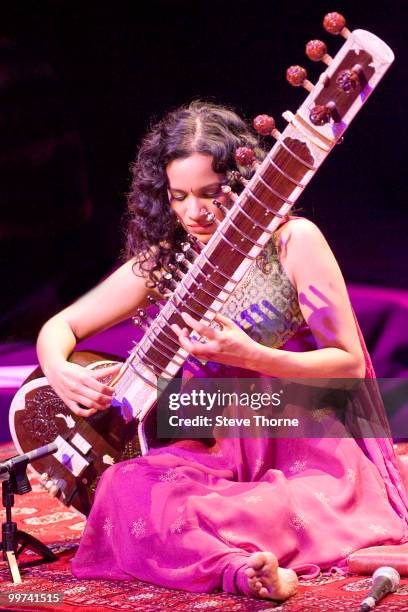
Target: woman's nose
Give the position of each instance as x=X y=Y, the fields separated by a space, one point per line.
x=196 y=209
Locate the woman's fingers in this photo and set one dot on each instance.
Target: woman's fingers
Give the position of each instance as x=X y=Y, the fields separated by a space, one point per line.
x=224 y=321
x=91 y=379
x=86 y=401
x=99 y=399
x=82 y=398
x=183 y=337
x=106 y=371
x=206 y=350
x=199 y=327
x=199 y=349
x=192 y=346
x=76 y=409
x=80 y=388
x=111 y=368
x=177 y=329
x=86 y=391
x=93 y=383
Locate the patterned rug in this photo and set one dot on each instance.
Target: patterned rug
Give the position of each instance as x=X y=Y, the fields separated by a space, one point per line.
x=60 y=528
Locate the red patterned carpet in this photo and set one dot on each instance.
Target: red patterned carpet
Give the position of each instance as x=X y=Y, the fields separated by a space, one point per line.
x=60 y=528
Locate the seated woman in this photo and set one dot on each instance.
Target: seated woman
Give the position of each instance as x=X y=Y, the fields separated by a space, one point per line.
x=243 y=515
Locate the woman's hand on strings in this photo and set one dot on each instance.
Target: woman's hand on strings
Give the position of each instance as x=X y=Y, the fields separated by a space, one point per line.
x=80 y=388
x=230 y=345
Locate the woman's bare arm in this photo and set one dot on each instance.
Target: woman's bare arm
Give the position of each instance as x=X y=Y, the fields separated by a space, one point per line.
x=110 y=302
x=310 y=264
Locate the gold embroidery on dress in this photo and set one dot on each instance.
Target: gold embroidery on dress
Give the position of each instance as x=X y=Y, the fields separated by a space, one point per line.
x=265 y=303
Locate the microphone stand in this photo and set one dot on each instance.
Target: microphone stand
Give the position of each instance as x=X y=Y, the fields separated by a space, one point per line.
x=15 y=541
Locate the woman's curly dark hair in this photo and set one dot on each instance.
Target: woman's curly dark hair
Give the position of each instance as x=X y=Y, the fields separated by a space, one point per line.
x=153 y=236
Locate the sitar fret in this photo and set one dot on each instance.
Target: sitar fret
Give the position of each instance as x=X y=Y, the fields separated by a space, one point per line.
x=301 y=149
x=151 y=356
x=164 y=349
x=200 y=298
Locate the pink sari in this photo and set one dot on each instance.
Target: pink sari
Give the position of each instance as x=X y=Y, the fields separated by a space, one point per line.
x=188 y=515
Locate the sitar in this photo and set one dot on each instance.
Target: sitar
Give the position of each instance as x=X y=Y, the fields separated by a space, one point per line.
x=87 y=446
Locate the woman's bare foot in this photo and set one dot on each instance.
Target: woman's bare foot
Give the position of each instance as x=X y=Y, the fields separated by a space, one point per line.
x=267 y=580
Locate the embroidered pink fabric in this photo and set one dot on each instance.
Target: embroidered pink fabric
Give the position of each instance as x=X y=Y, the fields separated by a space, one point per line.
x=188 y=515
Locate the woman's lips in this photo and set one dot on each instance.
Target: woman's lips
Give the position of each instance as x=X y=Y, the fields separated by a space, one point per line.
x=200 y=229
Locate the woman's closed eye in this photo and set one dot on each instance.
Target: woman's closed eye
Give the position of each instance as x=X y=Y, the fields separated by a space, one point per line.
x=208 y=193
x=179 y=197
x=213 y=193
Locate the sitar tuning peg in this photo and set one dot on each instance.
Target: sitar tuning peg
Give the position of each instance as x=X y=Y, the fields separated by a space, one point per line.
x=168 y=279
x=144 y=316
x=321 y=114
x=162 y=288
x=180 y=257
x=245 y=156
x=188 y=251
x=237 y=176
x=137 y=321
x=194 y=244
x=219 y=204
x=185 y=246
x=265 y=126
x=350 y=79
x=297 y=76
x=335 y=23
x=316 y=50
x=175 y=270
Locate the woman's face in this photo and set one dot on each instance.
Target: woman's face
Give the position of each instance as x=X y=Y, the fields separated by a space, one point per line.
x=192 y=187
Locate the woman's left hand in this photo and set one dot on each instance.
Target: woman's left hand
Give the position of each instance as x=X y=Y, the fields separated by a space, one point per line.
x=230 y=346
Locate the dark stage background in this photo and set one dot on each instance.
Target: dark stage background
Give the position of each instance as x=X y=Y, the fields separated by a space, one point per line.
x=81 y=81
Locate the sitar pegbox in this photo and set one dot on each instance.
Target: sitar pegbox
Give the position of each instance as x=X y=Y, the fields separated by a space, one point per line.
x=340 y=91
x=347 y=81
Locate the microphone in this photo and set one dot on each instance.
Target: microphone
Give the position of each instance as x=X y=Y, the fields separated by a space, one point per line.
x=384 y=580
x=37 y=453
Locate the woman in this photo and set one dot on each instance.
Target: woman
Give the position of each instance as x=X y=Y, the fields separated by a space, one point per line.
x=199 y=517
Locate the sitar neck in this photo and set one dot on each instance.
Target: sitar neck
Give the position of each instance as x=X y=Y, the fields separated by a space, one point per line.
x=281 y=178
